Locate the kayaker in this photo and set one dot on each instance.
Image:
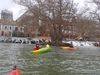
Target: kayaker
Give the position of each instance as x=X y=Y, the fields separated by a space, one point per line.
x=15 y=71
x=37 y=47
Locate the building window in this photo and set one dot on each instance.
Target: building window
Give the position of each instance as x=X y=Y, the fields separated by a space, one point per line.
x=16 y=28
x=10 y=28
x=20 y=29
x=2 y=33
x=5 y=27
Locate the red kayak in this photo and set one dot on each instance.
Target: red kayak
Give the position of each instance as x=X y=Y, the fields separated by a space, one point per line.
x=15 y=71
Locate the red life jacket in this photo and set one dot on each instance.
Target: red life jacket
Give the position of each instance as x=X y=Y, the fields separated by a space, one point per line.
x=15 y=72
x=37 y=48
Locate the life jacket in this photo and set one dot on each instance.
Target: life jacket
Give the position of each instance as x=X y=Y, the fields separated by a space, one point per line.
x=37 y=47
x=15 y=72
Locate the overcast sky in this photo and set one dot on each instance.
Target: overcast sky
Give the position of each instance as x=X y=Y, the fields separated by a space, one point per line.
x=18 y=10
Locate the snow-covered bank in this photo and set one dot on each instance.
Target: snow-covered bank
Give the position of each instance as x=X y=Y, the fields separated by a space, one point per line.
x=26 y=40
x=21 y=40
x=80 y=43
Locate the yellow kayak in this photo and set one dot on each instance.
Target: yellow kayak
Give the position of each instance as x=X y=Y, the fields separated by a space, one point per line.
x=42 y=50
x=69 y=48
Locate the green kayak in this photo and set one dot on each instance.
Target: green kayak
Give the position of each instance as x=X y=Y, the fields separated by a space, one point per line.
x=42 y=50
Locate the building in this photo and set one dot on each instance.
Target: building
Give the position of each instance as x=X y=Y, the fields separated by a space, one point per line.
x=6 y=15
x=8 y=30
x=30 y=25
x=9 y=27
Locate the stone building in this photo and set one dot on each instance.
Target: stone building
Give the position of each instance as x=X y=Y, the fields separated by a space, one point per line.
x=6 y=15
x=9 y=27
x=8 y=30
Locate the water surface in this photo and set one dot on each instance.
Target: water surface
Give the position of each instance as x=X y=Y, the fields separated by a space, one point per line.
x=84 y=61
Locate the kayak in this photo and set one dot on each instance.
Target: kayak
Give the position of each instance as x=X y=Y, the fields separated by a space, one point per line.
x=15 y=72
x=42 y=50
x=69 y=48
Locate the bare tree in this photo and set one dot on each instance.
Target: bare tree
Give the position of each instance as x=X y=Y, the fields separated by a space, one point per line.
x=53 y=12
x=96 y=17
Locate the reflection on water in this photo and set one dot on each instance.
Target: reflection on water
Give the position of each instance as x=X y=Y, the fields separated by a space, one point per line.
x=85 y=61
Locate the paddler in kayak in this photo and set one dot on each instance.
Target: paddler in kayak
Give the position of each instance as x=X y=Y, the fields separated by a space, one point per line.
x=37 y=47
x=15 y=71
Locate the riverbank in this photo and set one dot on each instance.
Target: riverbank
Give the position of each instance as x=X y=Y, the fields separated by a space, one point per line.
x=22 y=40
x=83 y=43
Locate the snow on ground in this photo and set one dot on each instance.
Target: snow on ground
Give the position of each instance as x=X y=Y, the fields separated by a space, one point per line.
x=75 y=43
x=80 y=43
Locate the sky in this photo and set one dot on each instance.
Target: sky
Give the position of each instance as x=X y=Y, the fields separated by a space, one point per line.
x=19 y=10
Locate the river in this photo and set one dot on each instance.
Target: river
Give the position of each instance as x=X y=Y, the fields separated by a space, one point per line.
x=84 y=61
